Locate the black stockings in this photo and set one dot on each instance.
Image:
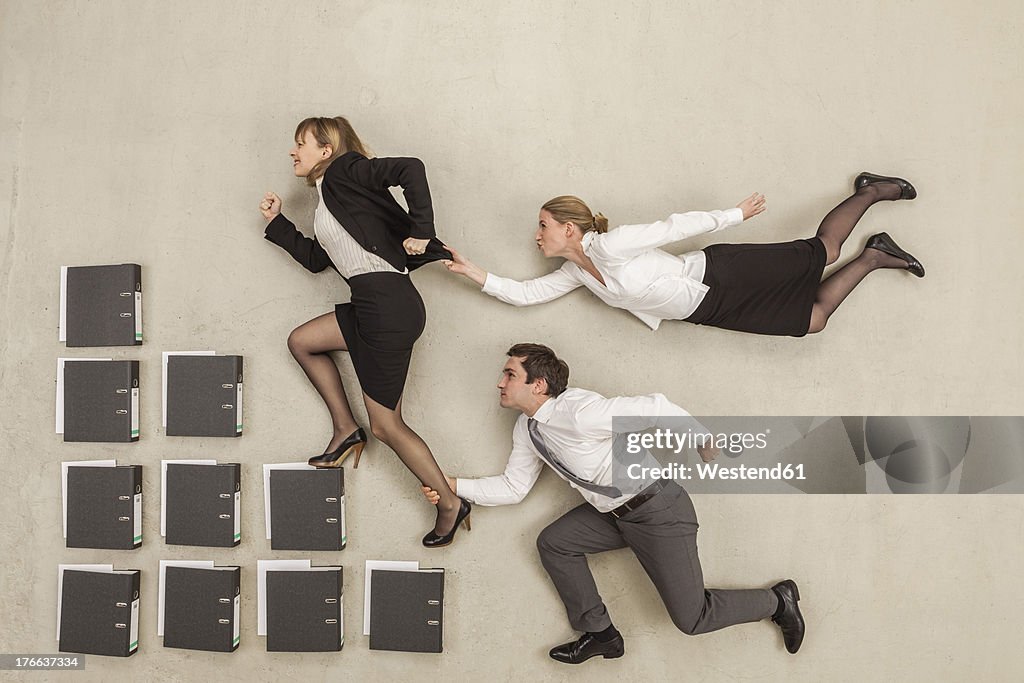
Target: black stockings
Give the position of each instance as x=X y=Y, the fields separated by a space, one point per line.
x=832 y=232
x=310 y=344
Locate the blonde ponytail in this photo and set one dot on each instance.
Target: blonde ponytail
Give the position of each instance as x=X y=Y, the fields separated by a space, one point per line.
x=570 y=209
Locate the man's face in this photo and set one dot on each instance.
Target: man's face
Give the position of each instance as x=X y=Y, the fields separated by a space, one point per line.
x=514 y=390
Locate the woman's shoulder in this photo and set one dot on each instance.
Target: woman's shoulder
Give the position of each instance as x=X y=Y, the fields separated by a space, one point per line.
x=343 y=165
x=353 y=166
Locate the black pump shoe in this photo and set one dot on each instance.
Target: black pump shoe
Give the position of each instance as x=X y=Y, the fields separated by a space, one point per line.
x=353 y=444
x=907 y=190
x=885 y=244
x=433 y=540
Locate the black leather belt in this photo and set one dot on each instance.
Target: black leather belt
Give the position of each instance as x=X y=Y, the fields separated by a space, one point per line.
x=638 y=500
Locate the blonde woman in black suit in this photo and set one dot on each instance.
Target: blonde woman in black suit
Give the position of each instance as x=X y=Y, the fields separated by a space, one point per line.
x=364 y=234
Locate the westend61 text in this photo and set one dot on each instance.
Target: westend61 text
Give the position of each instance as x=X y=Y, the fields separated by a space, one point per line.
x=709 y=471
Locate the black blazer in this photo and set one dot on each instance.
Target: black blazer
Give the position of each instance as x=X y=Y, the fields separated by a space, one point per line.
x=355 y=191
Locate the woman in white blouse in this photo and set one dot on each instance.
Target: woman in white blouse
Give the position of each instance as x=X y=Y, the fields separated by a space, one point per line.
x=760 y=288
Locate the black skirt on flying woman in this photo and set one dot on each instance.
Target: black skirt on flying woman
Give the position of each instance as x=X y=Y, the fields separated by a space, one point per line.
x=380 y=324
x=761 y=288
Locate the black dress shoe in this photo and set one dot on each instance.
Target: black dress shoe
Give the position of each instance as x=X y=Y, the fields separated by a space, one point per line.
x=433 y=540
x=579 y=651
x=885 y=244
x=907 y=190
x=354 y=443
x=790 y=621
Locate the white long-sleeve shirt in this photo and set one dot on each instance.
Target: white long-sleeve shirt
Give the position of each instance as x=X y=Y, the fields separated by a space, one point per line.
x=347 y=255
x=650 y=283
x=577 y=428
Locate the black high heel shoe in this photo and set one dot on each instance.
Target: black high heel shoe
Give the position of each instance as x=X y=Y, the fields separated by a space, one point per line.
x=354 y=443
x=885 y=244
x=433 y=540
x=907 y=190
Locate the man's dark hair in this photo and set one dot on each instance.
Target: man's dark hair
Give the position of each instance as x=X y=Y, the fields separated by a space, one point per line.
x=541 y=362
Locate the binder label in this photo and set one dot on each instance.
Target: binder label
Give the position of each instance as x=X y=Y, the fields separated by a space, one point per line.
x=138 y=315
x=238 y=515
x=238 y=408
x=344 y=529
x=137 y=520
x=135 y=412
x=341 y=619
x=133 y=639
x=235 y=637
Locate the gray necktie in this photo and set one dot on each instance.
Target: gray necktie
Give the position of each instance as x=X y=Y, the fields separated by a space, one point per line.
x=538 y=442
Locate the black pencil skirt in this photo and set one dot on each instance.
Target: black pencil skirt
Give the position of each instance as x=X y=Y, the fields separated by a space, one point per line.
x=761 y=288
x=381 y=323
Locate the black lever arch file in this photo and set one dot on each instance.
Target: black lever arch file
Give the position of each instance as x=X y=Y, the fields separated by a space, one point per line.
x=202 y=504
x=204 y=395
x=103 y=305
x=104 y=507
x=99 y=612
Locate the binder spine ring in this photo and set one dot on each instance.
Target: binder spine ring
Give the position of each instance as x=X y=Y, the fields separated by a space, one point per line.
x=122 y=391
x=124 y=497
x=331 y=500
x=227 y=386
x=225 y=495
x=120 y=604
x=431 y=622
x=223 y=621
x=331 y=601
x=224 y=516
x=124 y=519
x=331 y=520
x=125 y=294
x=224 y=601
x=330 y=621
x=433 y=602
x=120 y=412
x=126 y=315
x=120 y=626
x=226 y=406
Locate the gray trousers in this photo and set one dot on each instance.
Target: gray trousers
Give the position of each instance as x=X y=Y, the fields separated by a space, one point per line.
x=663 y=534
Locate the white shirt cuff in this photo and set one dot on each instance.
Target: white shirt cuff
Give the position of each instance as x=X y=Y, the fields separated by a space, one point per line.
x=491 y=285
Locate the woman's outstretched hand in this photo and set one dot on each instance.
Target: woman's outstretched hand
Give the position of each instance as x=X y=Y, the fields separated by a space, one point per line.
x=752 y=205
x=414 y=246
x=270 y=207
x=460 y=265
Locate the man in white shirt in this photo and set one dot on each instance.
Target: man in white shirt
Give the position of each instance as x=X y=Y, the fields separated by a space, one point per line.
x=571 y=431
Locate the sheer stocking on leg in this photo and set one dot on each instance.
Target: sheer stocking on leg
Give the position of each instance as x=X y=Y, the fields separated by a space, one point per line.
x=388 y=426
x=840 y=221
x=310 y=344
x=834 y=289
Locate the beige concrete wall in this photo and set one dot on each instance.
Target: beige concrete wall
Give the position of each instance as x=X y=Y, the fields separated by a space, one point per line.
x=147 y=132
